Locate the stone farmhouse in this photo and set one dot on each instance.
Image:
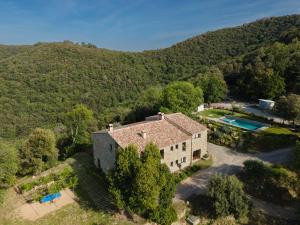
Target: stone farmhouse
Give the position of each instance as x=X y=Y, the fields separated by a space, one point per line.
x=181 y=140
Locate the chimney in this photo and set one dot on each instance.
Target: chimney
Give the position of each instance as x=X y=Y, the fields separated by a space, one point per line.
x=144 y=134
x=110 y=127
x=161 y=116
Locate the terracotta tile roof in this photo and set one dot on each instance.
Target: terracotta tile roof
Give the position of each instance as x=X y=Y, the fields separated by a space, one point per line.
x=185 y=122
x=163 y=132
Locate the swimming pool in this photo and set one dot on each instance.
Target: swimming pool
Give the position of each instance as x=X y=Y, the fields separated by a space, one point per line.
x=245 y=124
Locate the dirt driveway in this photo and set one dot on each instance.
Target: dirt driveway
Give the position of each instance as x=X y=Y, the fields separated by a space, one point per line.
x=225 y=162
x=230 y=162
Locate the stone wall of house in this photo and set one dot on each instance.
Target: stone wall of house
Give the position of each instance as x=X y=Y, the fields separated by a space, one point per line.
x=104 y=151
x=200 y=143
x=174 y=159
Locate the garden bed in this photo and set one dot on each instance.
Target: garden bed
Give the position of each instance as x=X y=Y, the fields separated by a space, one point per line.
x=50 y=184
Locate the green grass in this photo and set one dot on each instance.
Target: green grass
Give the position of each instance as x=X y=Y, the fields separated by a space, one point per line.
x=215 y=113
x=281 y=130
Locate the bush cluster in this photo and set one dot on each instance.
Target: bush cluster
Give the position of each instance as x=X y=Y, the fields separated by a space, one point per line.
x=271 y=182
x=228 y=197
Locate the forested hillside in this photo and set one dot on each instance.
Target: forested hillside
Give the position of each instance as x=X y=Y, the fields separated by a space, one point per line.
x=39 y=83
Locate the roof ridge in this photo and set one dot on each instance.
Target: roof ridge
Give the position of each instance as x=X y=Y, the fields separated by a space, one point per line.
x=177 y=125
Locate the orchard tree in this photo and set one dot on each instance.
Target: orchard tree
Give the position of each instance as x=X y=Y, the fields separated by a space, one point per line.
x=213 y=85
x=8 y=165
x=38 y=152
x=181 y=96
x=79 y=122
x=228 y=196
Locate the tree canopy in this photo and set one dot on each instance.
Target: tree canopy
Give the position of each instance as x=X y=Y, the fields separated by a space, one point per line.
x=213 y=85
x=288 y=107
x=8 y=165
x=38 y=152
x=79 y=122
x=141 y=184
x=228 y=196
x=181 y=96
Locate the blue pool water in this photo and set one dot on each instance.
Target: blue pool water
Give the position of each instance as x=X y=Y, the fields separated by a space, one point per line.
x=242 y=124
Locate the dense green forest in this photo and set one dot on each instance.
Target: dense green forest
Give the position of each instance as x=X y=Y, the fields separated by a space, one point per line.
x=39 y=83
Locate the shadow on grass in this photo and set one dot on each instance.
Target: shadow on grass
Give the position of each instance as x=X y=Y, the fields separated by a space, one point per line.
x=92 y=190
x=201 y=205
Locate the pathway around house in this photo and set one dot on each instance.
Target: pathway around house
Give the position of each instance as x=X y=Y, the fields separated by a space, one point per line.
x=226 y=161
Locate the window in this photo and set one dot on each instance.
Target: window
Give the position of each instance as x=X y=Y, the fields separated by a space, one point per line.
x=184 y=146
x=171 y=163
x=184 y=159
x=110 y=147
x=172 y=148
x=197 y=136
x=176 y=146
x=176 y=161
x=162 y=153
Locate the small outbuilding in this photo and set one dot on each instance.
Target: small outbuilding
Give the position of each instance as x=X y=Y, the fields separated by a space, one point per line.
x=266 y=104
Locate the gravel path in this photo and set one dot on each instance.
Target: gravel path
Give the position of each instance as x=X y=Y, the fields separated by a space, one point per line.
x=230 y=162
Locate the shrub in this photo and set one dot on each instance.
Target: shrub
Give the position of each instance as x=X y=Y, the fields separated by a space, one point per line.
x=228 y=196
x=273 y=183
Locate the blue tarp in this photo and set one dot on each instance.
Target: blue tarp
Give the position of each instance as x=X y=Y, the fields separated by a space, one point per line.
x=51 y=197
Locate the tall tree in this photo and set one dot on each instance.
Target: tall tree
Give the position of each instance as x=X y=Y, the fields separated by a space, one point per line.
x=147 y=178
x=122 y=177
x=181 y=96
x=79 y=122
x=143 y=185
x=8 y=165
x=38 y=152
x=288 y=107
x=213 y=85
x=292 y=74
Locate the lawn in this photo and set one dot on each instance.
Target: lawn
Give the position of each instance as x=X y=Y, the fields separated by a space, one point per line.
x=281 y=130
x=92 y=208
x=215 y=113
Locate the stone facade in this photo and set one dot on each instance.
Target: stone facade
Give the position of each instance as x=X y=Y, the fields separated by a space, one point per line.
x=189 y=147
x=104 y=151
